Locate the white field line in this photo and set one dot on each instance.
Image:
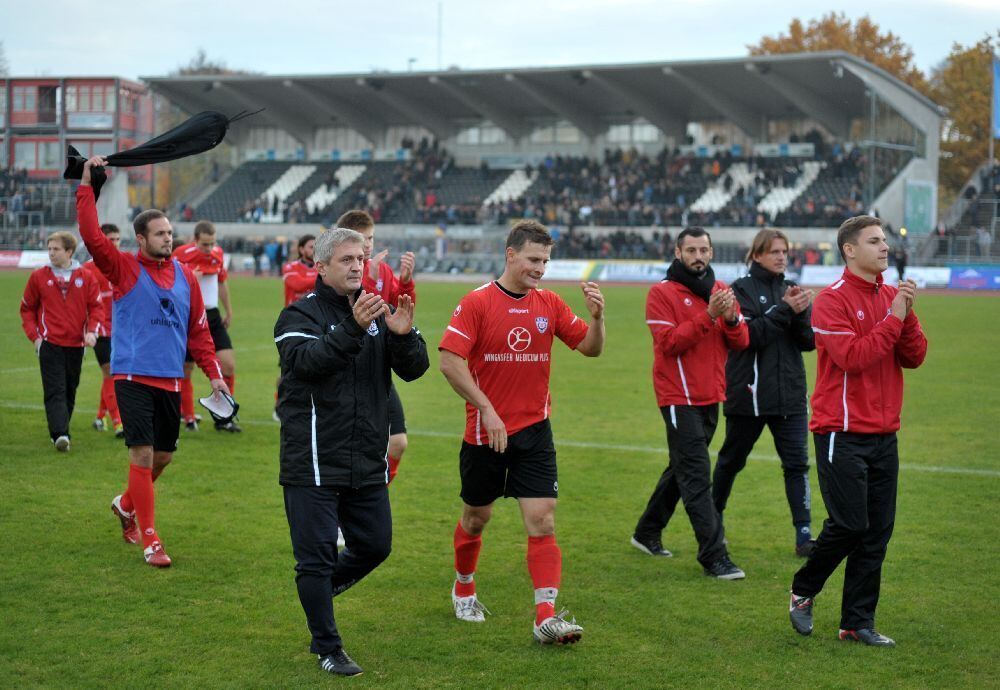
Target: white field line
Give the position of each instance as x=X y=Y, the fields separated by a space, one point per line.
x=654 y=450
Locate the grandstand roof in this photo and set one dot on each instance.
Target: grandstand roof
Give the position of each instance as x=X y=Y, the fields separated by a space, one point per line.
x=829 y=87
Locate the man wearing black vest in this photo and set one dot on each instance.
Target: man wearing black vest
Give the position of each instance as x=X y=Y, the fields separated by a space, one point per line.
x=766 y=383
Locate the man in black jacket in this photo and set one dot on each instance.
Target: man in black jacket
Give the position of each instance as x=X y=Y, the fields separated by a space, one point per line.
x=337 y=346
x=766 y=383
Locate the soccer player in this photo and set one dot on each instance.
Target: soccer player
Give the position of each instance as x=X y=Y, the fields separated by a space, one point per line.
x=866 y=334
x=61 y=313
x=337 y=348
x=495 y=353
x=207 y=262
x=158 y=315
x=766 y=383
x=299 y=276
x=380 y=279
x=107 y=405
x=695 y=321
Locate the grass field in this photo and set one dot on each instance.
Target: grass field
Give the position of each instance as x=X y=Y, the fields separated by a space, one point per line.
x=80 y=609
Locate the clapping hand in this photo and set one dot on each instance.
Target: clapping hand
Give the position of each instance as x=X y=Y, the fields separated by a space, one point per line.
x=368 y=307
x=400 y=321
x=797 y=298
x=594 y=299
x=406 y=263
x=375 y=262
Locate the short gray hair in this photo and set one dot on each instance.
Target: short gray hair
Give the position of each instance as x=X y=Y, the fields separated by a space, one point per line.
x=327 y=243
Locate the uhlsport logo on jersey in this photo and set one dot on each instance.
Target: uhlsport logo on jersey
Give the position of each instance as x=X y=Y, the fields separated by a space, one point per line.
x=687 y=302
x=518 y=339
x=763 y=299
x=861 y=315
x=541 y=323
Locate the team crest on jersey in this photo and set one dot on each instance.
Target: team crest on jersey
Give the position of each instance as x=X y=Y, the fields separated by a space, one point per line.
x=541 y=323
x=687 y=301
x=78 y=282
x=378 y=285
x=373 y=328
x=861 y=315
x=458 y=310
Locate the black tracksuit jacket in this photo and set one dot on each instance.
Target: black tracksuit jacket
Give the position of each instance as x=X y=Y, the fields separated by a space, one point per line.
x=769 y=377
x=334 y=391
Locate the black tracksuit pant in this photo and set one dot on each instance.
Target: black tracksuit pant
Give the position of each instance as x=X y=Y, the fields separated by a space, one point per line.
x=314 y=513
x=688 y=478
x=790 y=434
x=858 y=475
x=60 y=379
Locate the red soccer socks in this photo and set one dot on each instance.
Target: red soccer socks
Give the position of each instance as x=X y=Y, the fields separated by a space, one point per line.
x=187 y=400
x=393 y=468
x=466 y=556
x=140 y=494
x=545 y=567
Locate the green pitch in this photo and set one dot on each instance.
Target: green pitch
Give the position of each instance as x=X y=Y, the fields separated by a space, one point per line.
x=79 y=608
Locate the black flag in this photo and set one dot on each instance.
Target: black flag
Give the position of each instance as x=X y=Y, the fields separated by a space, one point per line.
x=198 y=134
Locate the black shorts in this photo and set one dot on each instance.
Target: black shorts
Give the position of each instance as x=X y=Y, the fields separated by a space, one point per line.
x=527 y=469
x=397 y=421
x=151 y=416
x=102 y=350
x=220 y=336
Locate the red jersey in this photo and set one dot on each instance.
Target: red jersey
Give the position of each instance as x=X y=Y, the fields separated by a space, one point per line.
x=299 y=278
x=690 y=347
x=388 y=286
x=60 y=311
x=107 y=298
x=507 y=342
x=122 y=270
x=211 y=266
x=861 y=350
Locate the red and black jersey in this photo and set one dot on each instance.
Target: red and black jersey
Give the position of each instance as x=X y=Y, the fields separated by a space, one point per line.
x=107 y=298
x=861 y=351
x=689 y=347
x=507 y=342
x=299 y=278
x=58 y=310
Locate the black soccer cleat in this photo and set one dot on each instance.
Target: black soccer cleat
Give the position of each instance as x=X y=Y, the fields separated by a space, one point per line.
x=805 y=549
x=725 y=569
x=651 y=546
x=339 y=664
x=230 y=426
x=800 y=613
x=867 y=636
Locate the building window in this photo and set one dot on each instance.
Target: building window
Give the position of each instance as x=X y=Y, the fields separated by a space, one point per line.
x=567 y=133
x=71 y=95
x=543 y=135
x=645 y=133
x=24 y=99
x=3 y=99
x=24 y=154
x=48 y=158
x=109 y=99
x=101 y=148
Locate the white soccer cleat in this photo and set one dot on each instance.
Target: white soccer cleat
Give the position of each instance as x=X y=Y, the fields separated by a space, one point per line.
x=62 y=444
x=468 y=608
x=341 y=542
x=557 y=630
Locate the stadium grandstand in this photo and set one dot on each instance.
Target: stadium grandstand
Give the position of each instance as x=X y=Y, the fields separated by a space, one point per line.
x=617 y=158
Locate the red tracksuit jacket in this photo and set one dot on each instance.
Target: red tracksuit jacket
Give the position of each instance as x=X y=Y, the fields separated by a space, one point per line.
x=107 y=297
x=61 y=312
x=861 y=350
x=689 y=347
x=388 y=285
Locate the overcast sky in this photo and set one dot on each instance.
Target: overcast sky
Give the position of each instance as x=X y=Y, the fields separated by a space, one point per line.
x=151 y=38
